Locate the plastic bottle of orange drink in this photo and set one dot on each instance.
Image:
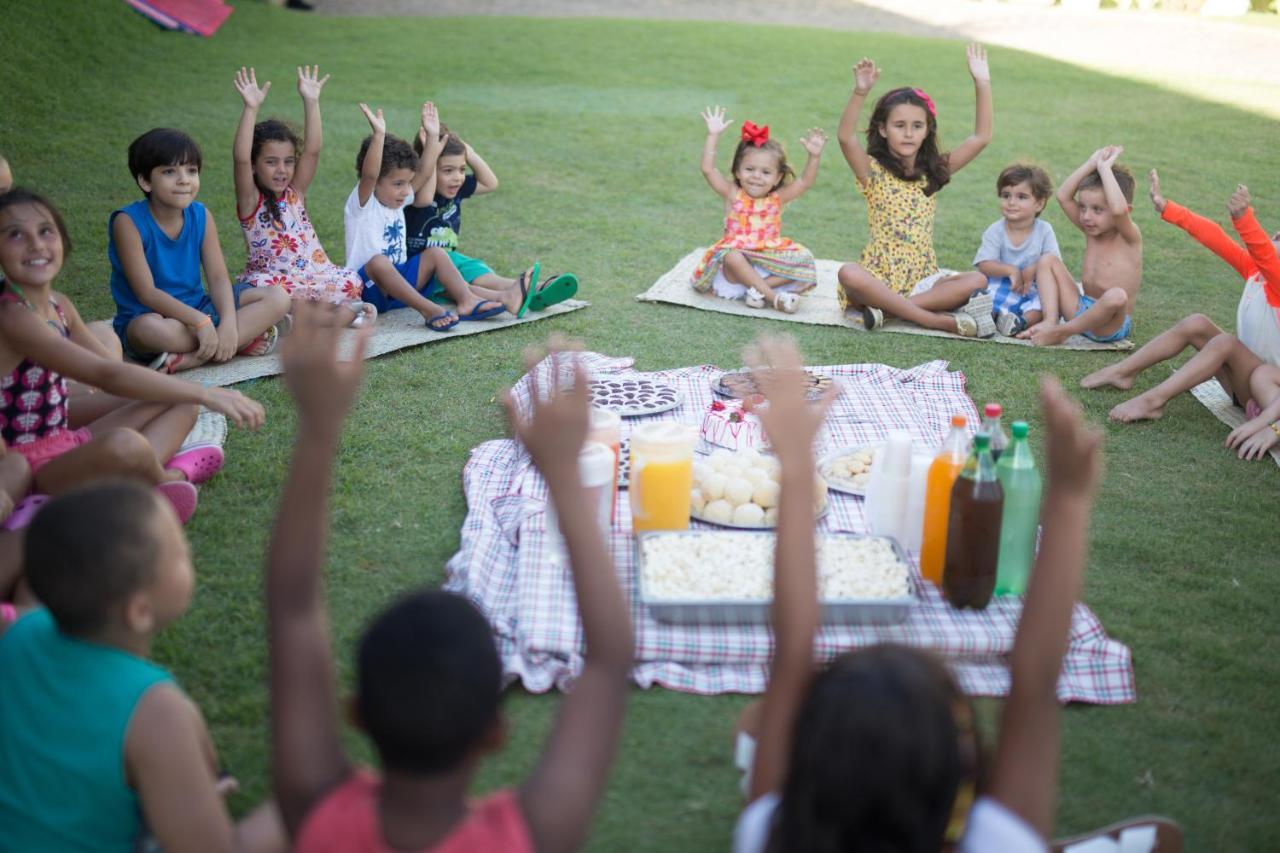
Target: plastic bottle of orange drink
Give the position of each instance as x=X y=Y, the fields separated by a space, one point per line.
x=937 y=501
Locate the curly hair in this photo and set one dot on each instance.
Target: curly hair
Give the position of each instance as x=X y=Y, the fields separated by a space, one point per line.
x=271 y=130
x=785 y=173
x=396 y=154
x=892 y=709
x=930 y=162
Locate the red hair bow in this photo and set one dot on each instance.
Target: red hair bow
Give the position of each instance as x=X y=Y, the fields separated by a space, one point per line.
x=928 y=102
x=757 y=136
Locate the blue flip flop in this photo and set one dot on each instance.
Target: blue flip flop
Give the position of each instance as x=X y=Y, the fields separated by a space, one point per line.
x=555 y=291
x=528 y=289
x=453 y=321
x=477 y=314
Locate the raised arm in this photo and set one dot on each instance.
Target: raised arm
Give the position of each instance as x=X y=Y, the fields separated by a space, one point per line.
x=964 y=153
x=309 y=85
x=813 y=143
x=372 y=167
x=560 y=796
x=1206 y=232
x=716 y=125
x=25 y=333
x=1066 y=194
x=1261 y=250
x=424 y=180
x=242 y=148
x=307 y=756
x=1116 y=202
x=792 y=426
x=865 y=75
x=1025 y=777
x=486 y=180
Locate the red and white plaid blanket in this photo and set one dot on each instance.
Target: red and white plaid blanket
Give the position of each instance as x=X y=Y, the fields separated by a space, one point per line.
x=505 y=564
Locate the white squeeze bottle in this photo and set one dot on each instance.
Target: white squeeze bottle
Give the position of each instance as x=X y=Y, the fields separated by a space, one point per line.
x=889 y=489
x=913 y=521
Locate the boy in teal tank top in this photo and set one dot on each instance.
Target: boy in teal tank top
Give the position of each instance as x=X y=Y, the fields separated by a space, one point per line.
x=99 y=747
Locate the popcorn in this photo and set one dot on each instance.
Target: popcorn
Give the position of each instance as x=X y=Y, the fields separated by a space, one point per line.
x=739 y=567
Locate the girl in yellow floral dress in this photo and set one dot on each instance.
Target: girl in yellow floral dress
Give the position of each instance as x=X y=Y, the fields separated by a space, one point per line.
x=753 y=261
x=272 y=173
x=899 y=172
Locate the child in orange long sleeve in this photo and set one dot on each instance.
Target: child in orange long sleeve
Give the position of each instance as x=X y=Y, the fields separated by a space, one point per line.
x=1246 y=364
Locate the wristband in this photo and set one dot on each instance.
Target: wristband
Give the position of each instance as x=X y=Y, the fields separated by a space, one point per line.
x=204 y=321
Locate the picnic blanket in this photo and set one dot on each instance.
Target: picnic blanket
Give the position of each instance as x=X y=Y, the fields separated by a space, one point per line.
x=1215 y=398
x=505 y=561
x=394 y=330
x=819 y=307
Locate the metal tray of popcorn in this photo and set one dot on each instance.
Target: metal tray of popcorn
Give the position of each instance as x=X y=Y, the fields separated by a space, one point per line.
x=715 y=577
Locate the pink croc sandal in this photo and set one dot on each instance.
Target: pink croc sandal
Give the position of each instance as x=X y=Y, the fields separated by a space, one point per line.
x=182 y=495
x=198 y=463
x=24 y=512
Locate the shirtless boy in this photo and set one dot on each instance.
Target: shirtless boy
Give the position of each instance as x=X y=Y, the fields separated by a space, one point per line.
x=1097 y=198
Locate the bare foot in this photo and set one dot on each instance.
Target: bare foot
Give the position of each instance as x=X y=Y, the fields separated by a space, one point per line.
x=1045 y=334
x=1109 y=375
x=1156 y=199
x=1140 y=408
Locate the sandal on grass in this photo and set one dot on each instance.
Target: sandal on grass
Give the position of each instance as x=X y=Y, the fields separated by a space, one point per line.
x=449 y=319
x=182 y=495
x=528 y=289
x=555 y=291
x=199 y=463
x=481 y=313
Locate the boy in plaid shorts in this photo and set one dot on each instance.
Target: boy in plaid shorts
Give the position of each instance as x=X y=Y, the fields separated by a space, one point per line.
x=1013 y=246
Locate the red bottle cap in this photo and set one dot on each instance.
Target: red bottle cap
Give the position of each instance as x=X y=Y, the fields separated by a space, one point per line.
x=958 y=420
x=993 y=410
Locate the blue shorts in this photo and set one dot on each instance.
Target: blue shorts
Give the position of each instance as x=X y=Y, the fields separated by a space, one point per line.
x=204 y=306
x=409 y=271
x=1087 y=302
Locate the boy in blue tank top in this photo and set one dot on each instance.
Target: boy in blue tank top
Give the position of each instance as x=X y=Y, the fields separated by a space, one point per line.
x=157 y=249
x=99 y=747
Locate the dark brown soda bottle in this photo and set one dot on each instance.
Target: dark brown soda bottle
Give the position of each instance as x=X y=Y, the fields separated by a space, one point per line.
x=973 y=530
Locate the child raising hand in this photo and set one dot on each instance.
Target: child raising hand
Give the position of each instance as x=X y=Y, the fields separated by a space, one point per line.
x=753 y=261
x=898 y=710
x=428 y=678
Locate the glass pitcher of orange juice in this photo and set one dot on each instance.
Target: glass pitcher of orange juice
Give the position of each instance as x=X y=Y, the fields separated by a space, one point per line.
x=661 y=475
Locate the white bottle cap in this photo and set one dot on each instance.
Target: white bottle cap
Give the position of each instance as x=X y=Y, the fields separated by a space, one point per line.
x=896 y=457
x=595 y=464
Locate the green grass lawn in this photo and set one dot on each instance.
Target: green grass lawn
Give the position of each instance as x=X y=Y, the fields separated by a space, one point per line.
x=593 y=128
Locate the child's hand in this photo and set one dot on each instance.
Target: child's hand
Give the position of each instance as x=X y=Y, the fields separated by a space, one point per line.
x=242 y=411
x=558 y=418
x=1157 y=200
x=377 y=122
x=814 y=141
x=322 y=385
x=1109 y=156
x=1072 y=449
x=790 y=421
x=430 y=122
x=228 y=337
x=977 y=58
x=206 y=341
x=865 y=75
x=310 y=82
x=247 y=86
x=1017 y=283
x=1239 y=201
x=716 y=123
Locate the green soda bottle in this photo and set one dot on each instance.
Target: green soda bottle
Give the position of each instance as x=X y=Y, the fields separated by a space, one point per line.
x=1021 y=483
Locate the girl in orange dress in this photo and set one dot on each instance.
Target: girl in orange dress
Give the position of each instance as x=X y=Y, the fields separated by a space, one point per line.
x=753 y=261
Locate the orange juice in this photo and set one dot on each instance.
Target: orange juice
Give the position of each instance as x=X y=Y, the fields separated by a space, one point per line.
x=937 y=501
x=661 y=476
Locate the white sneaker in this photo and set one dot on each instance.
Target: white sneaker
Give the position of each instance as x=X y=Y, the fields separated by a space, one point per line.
x=979 y=308
x=785 y=302
x=1009 y=324
x=966 y=326
x=872 y=318
x=755 y=299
